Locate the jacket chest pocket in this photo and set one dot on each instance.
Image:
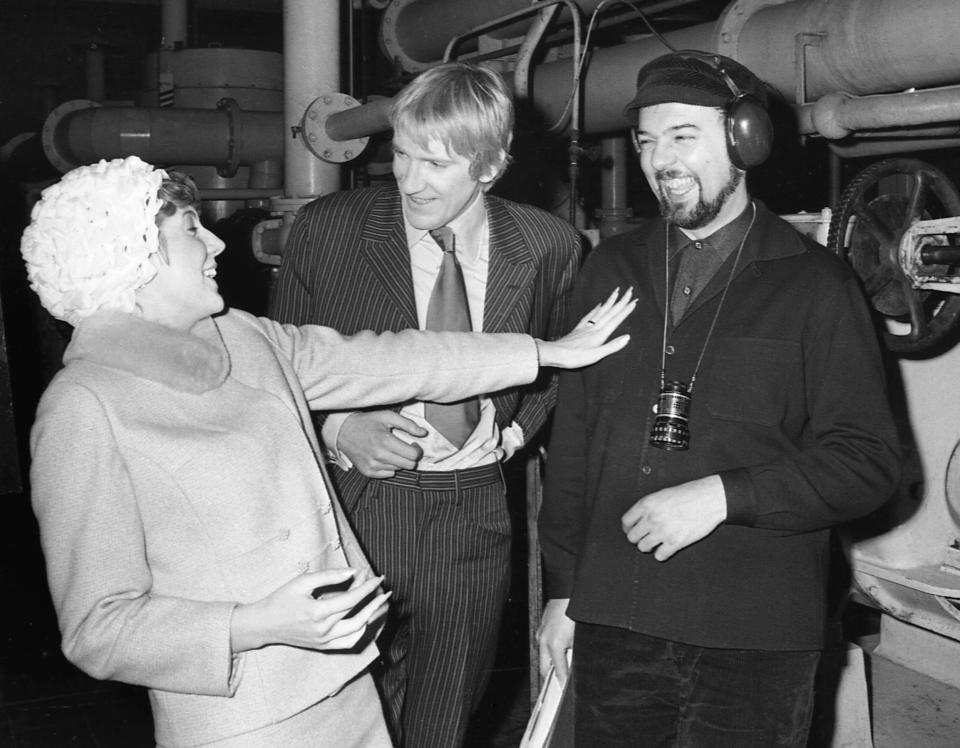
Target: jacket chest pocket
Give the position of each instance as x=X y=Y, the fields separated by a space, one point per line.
x=754 y=380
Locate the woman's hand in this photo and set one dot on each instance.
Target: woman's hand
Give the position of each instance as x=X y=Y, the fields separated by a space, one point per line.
x=311 y=611
x=586 y=343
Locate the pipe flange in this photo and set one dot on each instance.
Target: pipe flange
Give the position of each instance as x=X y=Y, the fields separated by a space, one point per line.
x=313 y=129
x=55 y=150
x=232 y=108
x=390 y=43
x=726 y=35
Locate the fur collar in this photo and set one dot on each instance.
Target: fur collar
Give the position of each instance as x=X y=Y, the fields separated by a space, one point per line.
x=191 y=362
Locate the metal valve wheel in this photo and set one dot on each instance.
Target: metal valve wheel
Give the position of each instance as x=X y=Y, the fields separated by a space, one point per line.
x=875 y=211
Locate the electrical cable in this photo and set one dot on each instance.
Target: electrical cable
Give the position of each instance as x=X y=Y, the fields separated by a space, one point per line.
x=580 y=63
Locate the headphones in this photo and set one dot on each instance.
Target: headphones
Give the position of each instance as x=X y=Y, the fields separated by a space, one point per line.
x=749 y=131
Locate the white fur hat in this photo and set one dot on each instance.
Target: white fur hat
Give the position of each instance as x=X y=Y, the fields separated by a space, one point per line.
x=90 y=237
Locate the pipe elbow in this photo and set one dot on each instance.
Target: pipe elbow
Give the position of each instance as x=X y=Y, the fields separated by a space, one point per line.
x=826 y=115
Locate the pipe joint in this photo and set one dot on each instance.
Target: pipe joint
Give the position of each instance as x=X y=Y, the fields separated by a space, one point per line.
x=313 y=129
x=827 y=115
x=234 y=141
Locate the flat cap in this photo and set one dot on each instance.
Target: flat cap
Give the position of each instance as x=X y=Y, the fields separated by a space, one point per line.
x=692 y=77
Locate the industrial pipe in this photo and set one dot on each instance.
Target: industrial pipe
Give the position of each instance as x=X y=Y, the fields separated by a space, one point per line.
x=173 y=24
x=415 y=32
x=311 y=66
x=216 y=137
x=838 y=115
x=360 y=121
x=870 y=147
x=616 y=211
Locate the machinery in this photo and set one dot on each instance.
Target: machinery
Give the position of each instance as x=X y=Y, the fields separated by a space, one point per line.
x=874 y=80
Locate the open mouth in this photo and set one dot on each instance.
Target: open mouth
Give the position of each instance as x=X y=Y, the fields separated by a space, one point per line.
x=676 y=187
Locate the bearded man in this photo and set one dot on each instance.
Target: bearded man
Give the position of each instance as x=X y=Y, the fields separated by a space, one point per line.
x=694 y=479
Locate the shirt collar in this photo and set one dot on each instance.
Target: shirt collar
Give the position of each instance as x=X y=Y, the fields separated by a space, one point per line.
x=469 y=224
x=723 y=241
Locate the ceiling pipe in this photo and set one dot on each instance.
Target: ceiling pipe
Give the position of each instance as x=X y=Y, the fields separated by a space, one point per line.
x=858 y=46
x=415 y=32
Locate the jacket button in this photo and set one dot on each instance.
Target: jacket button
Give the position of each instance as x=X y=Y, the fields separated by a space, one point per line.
x=669 y=350
x=646 y=470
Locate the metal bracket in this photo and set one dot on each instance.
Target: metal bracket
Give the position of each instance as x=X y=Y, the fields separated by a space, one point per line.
x=930 y=238
x=801 y=42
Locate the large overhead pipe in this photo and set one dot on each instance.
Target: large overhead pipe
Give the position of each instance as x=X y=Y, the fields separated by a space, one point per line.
x=805 y=49
x=414 y=33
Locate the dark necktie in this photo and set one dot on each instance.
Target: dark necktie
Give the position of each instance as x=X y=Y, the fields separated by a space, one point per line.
x=448 y=310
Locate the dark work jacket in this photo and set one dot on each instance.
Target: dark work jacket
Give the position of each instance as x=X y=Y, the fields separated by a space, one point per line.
x=789 y=408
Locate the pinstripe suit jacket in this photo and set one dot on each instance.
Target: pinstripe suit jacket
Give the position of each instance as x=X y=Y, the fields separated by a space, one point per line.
x=346 y=264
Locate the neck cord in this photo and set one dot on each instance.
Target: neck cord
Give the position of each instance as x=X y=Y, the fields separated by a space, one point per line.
x=716 y=315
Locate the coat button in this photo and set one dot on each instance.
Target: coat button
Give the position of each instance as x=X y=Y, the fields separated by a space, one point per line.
x=669 y=350
x=646 y=470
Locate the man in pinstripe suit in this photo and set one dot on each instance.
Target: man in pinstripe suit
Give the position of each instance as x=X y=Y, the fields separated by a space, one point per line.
x=429 y=508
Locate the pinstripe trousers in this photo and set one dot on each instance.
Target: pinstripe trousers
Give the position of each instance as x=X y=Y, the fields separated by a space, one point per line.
x=443 y=542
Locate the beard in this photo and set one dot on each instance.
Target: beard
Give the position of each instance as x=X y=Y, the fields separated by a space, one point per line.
x=703 y=212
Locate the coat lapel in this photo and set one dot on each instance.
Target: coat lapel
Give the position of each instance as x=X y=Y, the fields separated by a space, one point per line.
x=652 y=252
x=384 y=248
x=511 y=270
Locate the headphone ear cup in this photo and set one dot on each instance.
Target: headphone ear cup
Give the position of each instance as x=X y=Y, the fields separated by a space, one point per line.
x=749 y=132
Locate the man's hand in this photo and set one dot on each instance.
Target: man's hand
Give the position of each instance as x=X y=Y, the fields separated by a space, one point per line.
x=669 y=520
x=555 y=637
x=367 y=438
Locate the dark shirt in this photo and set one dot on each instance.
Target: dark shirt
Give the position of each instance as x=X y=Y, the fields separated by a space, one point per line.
x=694 y=262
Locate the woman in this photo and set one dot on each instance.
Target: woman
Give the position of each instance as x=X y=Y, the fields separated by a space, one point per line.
x=193 y=544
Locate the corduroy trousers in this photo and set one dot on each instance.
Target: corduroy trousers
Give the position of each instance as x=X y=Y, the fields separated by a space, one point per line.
x=636 y=690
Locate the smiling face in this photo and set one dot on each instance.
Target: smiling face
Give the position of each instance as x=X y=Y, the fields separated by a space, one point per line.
x=683 y=154
x=183 y=292
x=435 y=185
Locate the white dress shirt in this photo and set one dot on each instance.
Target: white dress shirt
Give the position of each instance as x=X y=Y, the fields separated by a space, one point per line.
x=487 y=443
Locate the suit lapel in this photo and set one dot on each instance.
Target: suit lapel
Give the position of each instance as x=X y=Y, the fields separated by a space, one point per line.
x=384 y=248
x=510 y=271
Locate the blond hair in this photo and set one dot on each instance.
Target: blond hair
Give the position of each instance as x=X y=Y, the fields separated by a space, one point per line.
x=465 y=107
